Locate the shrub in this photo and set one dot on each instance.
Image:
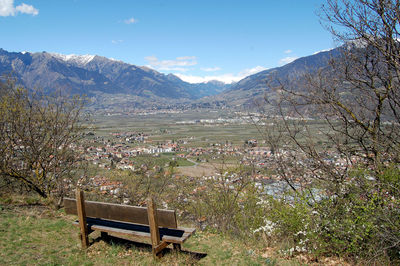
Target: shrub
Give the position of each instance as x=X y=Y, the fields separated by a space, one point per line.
x=227 y=201
x=362 y=220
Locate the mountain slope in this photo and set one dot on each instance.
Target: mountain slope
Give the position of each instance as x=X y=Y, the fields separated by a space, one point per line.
x=199 y=90
x=94 y=75
x=44 y=71
x=250 y=89
x=89 y=74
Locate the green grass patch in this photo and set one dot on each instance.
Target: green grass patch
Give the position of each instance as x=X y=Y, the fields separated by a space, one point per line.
x=41 y=236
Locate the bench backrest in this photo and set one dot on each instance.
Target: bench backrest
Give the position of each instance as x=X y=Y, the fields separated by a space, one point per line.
x=124 y=213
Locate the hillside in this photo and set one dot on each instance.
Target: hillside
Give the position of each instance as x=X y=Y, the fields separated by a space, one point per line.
x=108 y=80
x=96 y=75
x=251 y=89
x=35 y=234
x=92 y=74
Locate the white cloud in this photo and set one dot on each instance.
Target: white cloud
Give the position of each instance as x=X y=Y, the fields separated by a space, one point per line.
x=117 y=41
x=27 y=9
x=186 y=58
x=288 y=51
x=210 y=69
x=178 y=64
x=287 y=60
x=226 y=78
x=130 y=21
x=7 y=9
x=184 y=64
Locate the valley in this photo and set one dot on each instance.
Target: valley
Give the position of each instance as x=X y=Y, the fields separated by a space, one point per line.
x=201 y=144
x=275 y=139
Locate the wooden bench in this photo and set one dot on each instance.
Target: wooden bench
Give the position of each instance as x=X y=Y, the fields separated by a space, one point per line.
x=158 y=225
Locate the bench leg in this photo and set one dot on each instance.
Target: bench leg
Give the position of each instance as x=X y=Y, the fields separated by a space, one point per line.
x=157 y=250
x=84 y=240
x=157 y=255
x=80 y=207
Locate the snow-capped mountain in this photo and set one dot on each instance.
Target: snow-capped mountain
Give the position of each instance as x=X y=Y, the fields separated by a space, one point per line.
x=86 y=74
x=78 y=59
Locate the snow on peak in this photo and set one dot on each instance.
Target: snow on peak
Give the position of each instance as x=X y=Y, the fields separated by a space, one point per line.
x=79 y=59
x=324 y=50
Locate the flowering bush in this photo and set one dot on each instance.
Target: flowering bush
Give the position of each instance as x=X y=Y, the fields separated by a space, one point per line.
x=360 y=221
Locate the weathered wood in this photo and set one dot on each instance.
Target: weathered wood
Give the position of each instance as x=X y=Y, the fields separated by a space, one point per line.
x=177 y=240
x=130 y=232
x=127 y=232
x=160 y=247
x=125 y=213
x=118 y=231
x=80 y=206
x=153 y=223
x=170 y=235
x=159 y=226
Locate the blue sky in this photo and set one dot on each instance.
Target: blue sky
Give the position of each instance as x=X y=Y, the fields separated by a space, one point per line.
x=196 y=40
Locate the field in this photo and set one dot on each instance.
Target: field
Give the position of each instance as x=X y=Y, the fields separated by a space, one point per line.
x=169 y=127
x=194 y=126
x=191 y=129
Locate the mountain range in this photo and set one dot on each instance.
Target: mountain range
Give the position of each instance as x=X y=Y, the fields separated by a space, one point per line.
x=248 y=91
x=87 y=74
x=93 y=75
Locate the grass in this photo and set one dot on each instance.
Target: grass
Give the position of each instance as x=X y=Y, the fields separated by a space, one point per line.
x=35 y=234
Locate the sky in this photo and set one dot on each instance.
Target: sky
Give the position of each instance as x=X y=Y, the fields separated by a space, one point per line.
x=197 y=40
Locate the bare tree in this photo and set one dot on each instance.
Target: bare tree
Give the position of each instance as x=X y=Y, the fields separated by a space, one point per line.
x=38 y=139
x=358 y=97
x=371 y=68
x=357 y=94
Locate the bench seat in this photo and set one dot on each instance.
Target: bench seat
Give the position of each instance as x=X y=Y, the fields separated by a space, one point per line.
x=158 y=225
x=178 y=235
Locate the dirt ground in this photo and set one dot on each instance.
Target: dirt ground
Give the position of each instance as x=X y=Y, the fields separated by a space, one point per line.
x=203 y=169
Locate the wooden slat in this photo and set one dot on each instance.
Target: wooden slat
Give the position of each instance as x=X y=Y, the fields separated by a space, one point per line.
x=133 y=227
x=153 y=224
x=172 y=239
x=160 y=247
x=169 y=235
x=117 y=231
x=120 y=231
x=80 y=206
x=188 y=230
x=176 y=240
x=125 y=213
